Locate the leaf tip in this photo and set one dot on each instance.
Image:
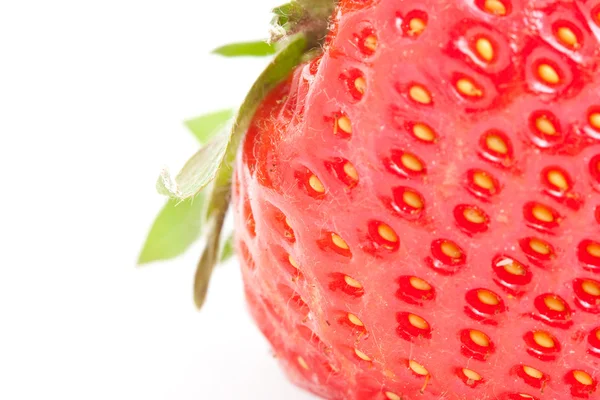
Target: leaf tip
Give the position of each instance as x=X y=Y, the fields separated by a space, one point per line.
x=142 y=261
x=165 y=184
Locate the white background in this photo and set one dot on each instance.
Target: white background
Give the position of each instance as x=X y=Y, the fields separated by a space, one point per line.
x=92 y=99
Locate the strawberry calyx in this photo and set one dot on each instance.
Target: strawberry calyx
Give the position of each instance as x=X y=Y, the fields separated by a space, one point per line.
x=299 y=30
x=283 y=63
x=310 y=17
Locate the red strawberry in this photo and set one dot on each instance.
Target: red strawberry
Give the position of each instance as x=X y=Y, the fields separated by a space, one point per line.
x=417 y=209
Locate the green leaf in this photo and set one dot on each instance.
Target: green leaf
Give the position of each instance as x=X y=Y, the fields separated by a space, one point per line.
x=245 y=49
x=286 y=12
x=175 y=228
x=288 y=9
x=198 y=172
x=178 y=224
x=216 y=158
x=206 y=126
x=209 y=258
x=228 y=249
x=310 y=17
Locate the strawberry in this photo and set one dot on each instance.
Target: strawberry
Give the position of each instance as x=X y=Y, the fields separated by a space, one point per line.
x=416 y=196
x=417 y=208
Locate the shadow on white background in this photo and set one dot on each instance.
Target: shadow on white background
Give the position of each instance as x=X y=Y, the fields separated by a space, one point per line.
x=92 y=99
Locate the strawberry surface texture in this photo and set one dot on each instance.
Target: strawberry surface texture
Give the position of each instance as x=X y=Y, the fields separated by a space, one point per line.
x=418 y=208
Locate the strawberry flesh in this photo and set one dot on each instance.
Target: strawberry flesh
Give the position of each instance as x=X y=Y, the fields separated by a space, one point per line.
x=418 y=208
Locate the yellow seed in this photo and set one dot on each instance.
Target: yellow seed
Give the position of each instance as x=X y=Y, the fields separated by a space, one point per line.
x=419 y=283
x=545 y=126
x=419 y=94
x=525 y=396
x=355 y=320
x=558 y=179
x=387 y=233
x=392 y=396
x=554 y=303
x=539 y=246
x=548 y=74
x=487 y=297
x=418 y=368
x=293 y=262
x=472 y=375
x=485 y=49
x=593 y=249
x=426 y=134
x=468 y=88
x=598 y=334
x=514 y=268
x=411 y=162
x=339 y=242
x=371 y=42
x=412 y=199
x=360 y=84
x=583 y=377
x=495 y=7
x=479 y=338
x=591 y=288
x=362 y=355
x=594 y=119
x=417 y=321
x=473 y=215
x=416 y=26
x=316 y=184
x=567 y=36
x=352 y=282
x=483 y=180
x=303 y=363
x=451 y=250
x=344 y=124
x=543 y=339
x=496 y=144
x=287 y=222
x=532 y=372
x=350 y=171
x=542 y=213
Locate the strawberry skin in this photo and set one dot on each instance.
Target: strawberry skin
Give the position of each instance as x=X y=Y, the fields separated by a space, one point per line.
x=417 y=210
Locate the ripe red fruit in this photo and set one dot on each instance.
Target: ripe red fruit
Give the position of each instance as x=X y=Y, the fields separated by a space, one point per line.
x=417 y=209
